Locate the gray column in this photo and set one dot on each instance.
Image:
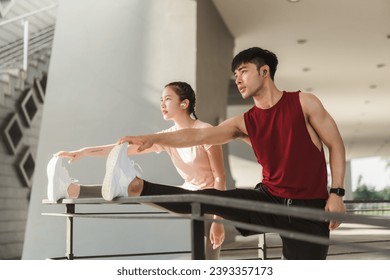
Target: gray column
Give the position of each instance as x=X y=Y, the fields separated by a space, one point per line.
x=110 y=61
x=348 y=181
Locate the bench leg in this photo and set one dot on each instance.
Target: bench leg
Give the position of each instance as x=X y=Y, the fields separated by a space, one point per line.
x=197 y=233
x=70 y=209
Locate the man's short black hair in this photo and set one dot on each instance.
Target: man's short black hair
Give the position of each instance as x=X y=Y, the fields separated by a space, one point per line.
x=257 y=56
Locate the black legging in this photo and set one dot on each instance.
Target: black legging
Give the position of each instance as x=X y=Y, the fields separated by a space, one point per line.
x=225 y=212
x=292 y=249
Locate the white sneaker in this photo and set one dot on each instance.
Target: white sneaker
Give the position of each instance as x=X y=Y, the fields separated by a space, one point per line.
x=120 y=172
x=58 y=179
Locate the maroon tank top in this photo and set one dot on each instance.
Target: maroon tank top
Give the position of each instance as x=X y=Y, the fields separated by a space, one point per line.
x=293 y=167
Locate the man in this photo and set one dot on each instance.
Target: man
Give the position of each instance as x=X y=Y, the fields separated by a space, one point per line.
x=287 y=131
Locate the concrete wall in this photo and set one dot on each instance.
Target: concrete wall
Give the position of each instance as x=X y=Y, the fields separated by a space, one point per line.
x=214 y=54
x=215 y=46
x=109 y=63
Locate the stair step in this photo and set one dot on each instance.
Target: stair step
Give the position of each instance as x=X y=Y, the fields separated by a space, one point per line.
x=15 y=72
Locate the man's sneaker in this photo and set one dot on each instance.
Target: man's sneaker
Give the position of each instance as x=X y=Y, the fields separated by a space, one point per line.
x=58 y=179
x=120 y=172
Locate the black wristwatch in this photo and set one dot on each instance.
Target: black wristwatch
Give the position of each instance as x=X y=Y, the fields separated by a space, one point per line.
x=338 y=191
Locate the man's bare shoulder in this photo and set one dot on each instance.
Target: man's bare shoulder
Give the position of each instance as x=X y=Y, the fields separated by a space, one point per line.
x=308 y=97
x=310 y=102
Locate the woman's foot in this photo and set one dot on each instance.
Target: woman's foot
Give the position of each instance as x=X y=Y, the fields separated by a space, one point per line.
x=120 y=173
x=58 y=179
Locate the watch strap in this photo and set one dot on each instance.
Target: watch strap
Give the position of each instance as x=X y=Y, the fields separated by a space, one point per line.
x=337 y=191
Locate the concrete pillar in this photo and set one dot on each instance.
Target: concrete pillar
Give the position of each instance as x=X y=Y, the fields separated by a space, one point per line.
x=348 y=181
x=110 y=61
x=214 y=54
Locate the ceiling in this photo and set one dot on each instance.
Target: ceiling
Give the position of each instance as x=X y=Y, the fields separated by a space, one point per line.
x=338 y=50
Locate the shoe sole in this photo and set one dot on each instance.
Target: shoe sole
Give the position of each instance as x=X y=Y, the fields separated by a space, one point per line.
x=112 y=161
x=53 y=181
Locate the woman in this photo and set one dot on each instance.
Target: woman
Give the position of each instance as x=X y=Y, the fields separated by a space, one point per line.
x=200 y=166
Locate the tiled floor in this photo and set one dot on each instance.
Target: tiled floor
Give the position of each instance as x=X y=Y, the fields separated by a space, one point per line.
x=349 y=242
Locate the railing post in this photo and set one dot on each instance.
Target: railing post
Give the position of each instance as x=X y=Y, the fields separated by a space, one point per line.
x=70 y=209
x=25 y=44
x=197 y=232
x=262 y=251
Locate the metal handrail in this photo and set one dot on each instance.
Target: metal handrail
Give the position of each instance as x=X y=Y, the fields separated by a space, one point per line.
x=196 y=199
x=377 y=207
x=40 y=35
x=26 y=15
x=265 y=207
x=366 y=201
x=13 y=53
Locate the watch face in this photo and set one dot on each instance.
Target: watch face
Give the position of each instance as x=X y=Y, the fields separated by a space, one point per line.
x=338 y=191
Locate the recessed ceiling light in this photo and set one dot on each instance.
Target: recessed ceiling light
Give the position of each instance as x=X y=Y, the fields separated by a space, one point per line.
x=293 y=1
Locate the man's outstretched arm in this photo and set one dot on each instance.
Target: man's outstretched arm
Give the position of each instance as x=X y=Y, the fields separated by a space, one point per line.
x=218 y=135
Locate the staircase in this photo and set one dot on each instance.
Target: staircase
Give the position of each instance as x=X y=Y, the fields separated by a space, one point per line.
x=22 y=96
